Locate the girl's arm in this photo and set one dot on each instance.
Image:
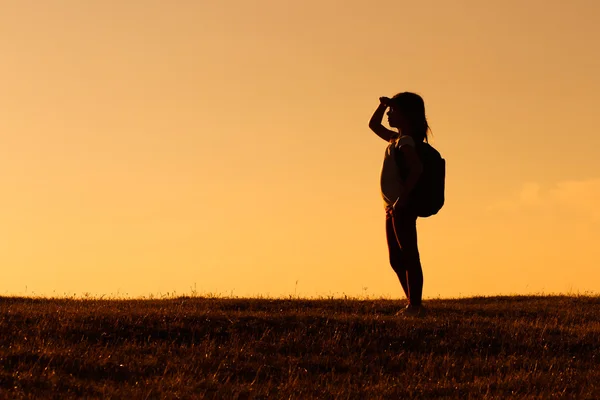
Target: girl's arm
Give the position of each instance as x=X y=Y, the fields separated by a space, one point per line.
x=415 y=169
x=375 y=122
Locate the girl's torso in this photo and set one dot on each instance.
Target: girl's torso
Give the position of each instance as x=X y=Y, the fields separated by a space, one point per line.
x=391 y=176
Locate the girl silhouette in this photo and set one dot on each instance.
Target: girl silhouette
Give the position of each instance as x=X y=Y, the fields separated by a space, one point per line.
x=400 y=173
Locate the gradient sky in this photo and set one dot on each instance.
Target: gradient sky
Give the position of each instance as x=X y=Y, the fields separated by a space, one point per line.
x=150 y=147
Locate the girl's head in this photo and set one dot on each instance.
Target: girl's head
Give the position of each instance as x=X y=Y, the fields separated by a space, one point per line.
x=407 y=113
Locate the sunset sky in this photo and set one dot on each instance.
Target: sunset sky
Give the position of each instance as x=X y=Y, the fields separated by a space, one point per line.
x=150 y=147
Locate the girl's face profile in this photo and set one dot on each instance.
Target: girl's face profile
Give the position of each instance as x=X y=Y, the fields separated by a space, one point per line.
x=395 y=118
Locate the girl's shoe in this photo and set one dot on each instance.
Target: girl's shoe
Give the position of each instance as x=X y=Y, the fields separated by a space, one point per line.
x=413 y=311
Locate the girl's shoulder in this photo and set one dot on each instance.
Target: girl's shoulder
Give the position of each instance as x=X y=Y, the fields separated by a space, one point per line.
x=405 y=140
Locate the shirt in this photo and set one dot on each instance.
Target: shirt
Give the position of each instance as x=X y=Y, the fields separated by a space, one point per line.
x=391 y=182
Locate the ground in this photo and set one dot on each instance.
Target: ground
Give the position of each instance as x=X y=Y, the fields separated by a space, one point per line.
x=495 y=347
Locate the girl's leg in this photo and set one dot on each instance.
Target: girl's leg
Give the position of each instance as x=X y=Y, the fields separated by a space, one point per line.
x=396 y=260
x=405 y=227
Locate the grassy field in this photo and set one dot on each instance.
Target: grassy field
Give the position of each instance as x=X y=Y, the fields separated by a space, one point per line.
x=499 y=347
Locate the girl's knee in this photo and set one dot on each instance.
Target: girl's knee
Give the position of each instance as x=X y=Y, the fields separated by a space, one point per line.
x=397 y=264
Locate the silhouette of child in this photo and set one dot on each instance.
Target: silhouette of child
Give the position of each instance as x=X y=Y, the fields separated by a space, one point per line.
x=407 y=114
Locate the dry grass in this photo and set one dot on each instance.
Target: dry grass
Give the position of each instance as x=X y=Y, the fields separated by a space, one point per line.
x=501 y=347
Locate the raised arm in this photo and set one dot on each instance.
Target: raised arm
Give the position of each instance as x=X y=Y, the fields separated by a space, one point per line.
x=375 y=122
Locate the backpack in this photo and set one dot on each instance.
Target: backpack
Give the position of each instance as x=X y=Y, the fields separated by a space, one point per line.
x=427 y=197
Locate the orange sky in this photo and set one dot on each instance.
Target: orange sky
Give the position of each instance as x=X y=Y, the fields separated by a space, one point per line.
x=149 y=147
